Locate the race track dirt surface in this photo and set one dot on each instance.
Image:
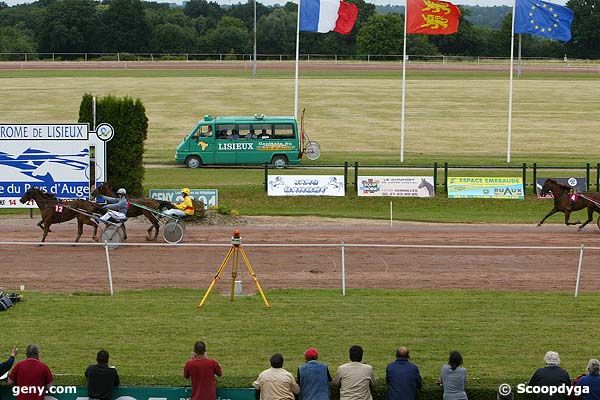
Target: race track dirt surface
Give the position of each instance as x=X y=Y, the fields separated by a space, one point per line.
x=68 y=268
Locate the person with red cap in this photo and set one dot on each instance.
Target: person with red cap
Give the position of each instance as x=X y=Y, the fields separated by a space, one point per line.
x=313 y=377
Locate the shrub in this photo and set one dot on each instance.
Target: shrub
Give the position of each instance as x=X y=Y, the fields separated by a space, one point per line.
x=126 y=149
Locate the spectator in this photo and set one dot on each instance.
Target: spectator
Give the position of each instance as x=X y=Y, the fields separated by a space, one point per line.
x=101 y=378
x=276 y=383
x=551 y=375
x=402 y=377
x=355 y=379
x=313 y=377
x=202 y=371
x=31 y=372
x=453 y=378
x=591 y=380
x=7 y=365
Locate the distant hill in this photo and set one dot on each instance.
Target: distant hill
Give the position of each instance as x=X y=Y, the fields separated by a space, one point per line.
x=490 y=17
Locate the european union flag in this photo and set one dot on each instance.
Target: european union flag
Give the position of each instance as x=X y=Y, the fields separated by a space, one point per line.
x=544 y=19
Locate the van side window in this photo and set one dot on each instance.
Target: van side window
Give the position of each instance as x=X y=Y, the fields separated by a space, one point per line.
x=224 y=132
x=284 y=131
x=246 y=131
x=263 y=131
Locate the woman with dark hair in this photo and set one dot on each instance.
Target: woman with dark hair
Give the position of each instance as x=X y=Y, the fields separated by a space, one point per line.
x=453 y=378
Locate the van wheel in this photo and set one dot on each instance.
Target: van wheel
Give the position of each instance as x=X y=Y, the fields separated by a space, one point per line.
x=193 y=162
x=280 y=161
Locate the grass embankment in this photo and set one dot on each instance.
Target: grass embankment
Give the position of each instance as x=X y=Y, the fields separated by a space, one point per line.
x=502 y=335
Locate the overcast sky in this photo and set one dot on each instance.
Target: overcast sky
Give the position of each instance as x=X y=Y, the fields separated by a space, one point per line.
x=380 y=2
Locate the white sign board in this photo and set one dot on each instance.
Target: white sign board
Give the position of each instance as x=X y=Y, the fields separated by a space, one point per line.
x=306 y=185
x=52 y=157
x=396 y=186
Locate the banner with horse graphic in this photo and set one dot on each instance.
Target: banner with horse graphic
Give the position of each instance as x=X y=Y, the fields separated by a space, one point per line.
x=396 y=186
x=462 y=187
x=61 y=159
x=306 y=185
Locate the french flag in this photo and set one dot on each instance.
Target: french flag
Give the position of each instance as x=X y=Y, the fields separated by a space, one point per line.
x=327 y=15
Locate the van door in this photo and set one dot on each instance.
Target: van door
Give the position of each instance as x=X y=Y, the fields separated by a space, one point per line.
x=227 y=139
x=247 y=152
x=205 y=146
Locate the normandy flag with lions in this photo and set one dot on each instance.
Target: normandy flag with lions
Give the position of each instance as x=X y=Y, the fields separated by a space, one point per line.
x=431 y=17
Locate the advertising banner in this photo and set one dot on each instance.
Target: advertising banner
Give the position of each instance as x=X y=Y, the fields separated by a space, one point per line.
x=306 y=185
x=462 y=187
x=396 y=186
x=136 y=393
x=52 y=157
x=577 y=184
x=210 y=197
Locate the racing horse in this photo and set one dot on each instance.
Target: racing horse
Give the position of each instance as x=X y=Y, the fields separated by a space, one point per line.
x=567 y=202
x=106 y=190
x=55 y=211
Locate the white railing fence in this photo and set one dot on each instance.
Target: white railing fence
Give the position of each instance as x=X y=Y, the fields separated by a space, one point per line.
x=342 y=246
x=312 y=57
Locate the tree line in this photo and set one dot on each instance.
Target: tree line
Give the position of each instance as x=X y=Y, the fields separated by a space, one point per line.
x=201 y=26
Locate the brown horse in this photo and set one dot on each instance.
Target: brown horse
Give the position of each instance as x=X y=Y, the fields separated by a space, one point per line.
x=133 y=211
x=566 y=202
x=55 y=211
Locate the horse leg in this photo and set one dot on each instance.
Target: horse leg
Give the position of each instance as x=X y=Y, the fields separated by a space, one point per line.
x=79 y=229
x=95 y=235
x=552 y=212
x=155 y=226
x=124 y=232
x=47 y=223
x=41 y=225
x=567 y=216
x=590 y=212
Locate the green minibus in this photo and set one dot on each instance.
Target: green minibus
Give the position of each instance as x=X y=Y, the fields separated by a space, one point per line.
x=242 y=140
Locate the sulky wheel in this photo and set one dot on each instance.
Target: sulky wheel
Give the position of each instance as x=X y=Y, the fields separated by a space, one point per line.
x=173 y=231
x=112 y=236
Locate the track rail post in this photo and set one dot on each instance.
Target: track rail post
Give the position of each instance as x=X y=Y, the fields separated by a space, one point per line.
x=110 y=280
x=579 y=270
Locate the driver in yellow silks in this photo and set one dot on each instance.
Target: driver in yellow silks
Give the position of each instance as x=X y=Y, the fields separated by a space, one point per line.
x=184 y=208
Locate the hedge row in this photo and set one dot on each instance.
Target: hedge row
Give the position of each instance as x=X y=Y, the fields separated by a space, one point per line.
x=126 y=149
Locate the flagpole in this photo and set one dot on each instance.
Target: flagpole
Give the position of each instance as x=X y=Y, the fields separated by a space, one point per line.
x=254 y=58
x=403 y=86
x=519 y=71
x=510 y=90
x=297 y=63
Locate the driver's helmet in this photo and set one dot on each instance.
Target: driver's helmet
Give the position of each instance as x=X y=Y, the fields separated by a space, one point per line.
x=121 y=192
x=186 y=191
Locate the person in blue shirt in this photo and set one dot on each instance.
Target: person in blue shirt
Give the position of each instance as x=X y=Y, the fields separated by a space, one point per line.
x=116 y=207
x=313 y=377
x=591 y=380
x=402 y=377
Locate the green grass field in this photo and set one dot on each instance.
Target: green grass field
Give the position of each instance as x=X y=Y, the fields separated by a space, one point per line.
x=502 y=335
x=354 y=115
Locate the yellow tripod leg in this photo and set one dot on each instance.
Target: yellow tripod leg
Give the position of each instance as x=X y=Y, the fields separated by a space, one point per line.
x=234 y=273
x=254 y=278
x=217 y=276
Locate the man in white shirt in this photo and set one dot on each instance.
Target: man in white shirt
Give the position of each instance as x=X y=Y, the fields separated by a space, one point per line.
x=355 y=379
x=276 y=383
